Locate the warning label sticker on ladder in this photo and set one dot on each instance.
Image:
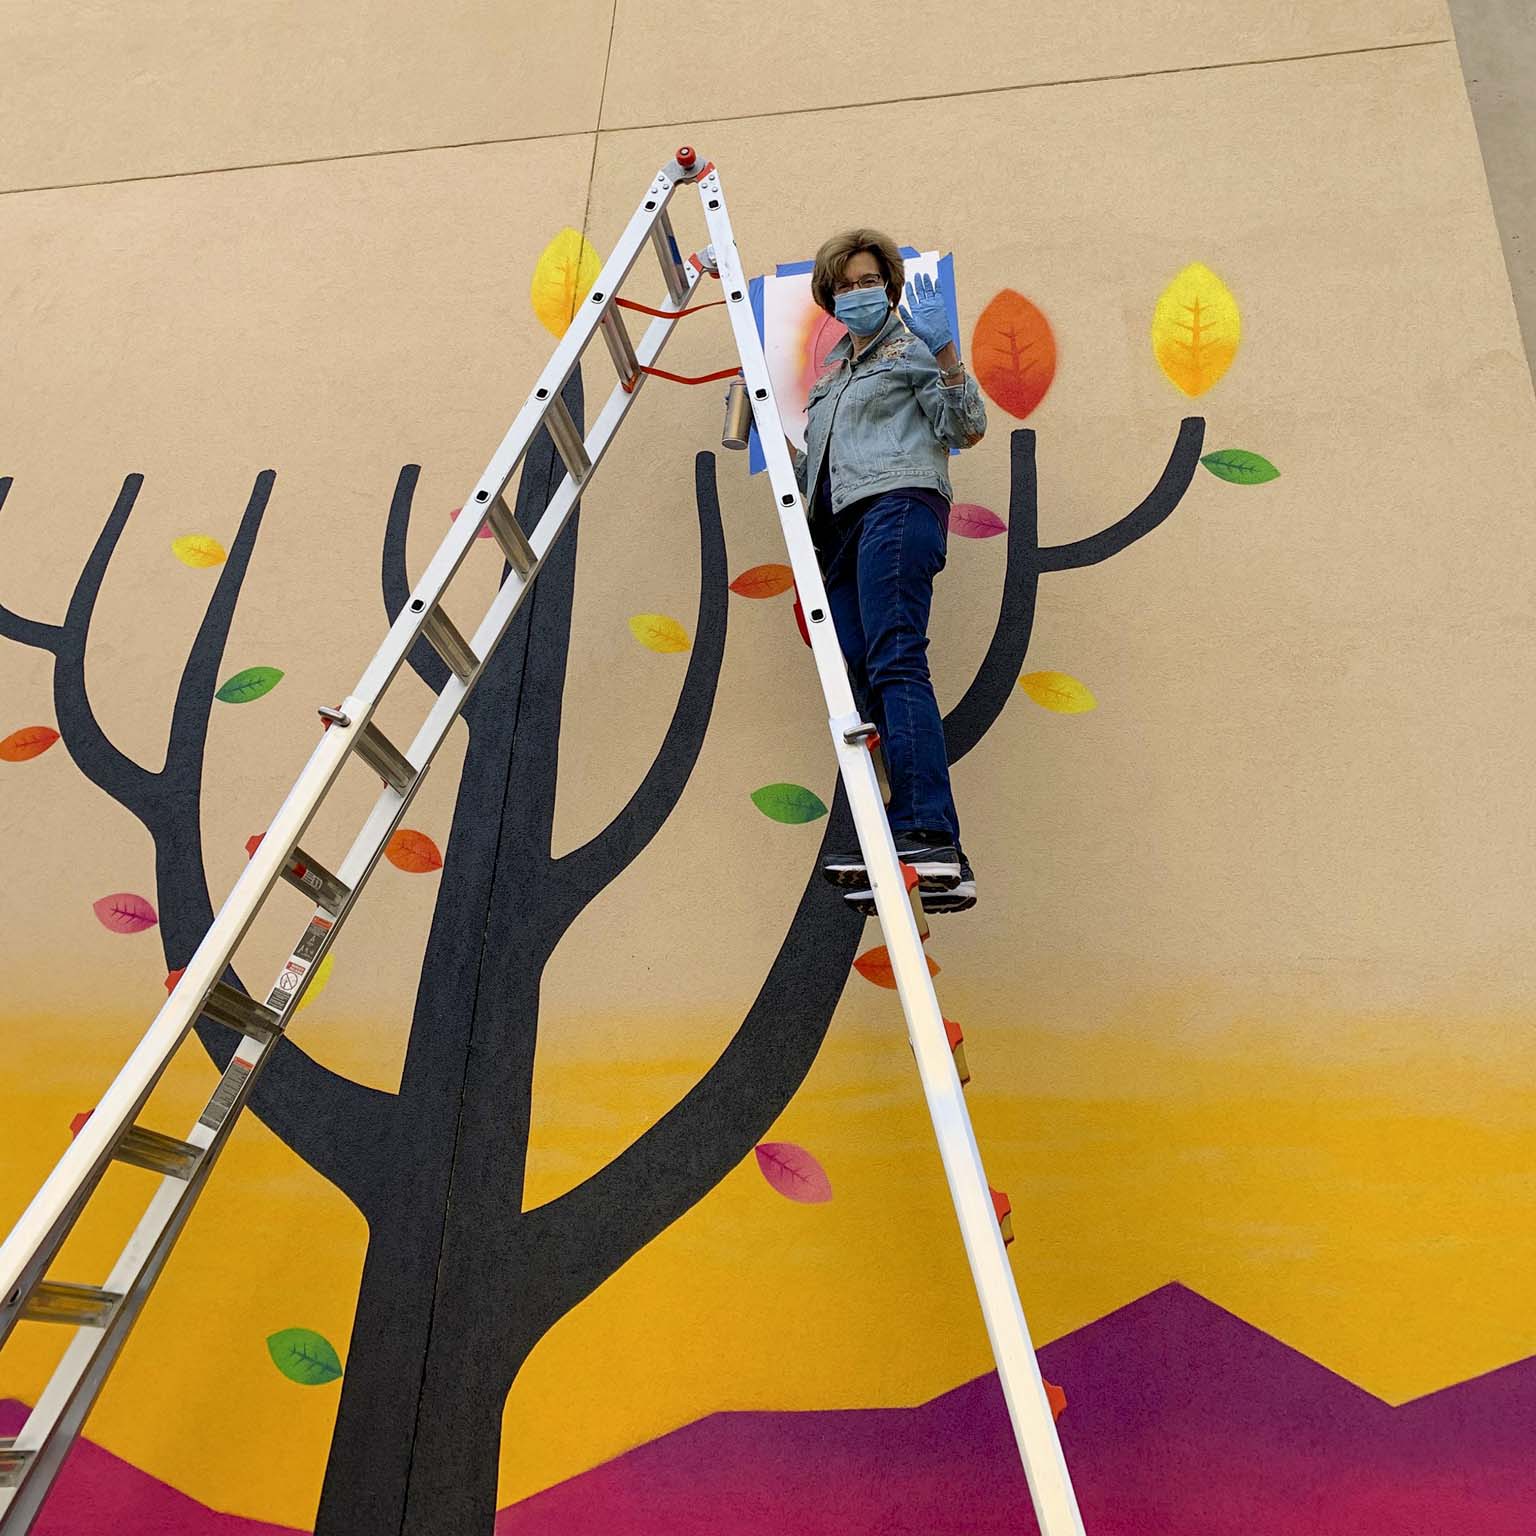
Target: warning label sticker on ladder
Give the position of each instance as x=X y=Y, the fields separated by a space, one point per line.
x=228 y=1091
x=299 y=962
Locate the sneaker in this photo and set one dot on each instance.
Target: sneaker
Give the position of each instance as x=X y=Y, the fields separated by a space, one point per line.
x=959 y=898
x=937 y=864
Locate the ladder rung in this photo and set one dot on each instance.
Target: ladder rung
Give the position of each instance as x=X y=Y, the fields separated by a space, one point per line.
x=304 y=874
x=664 y=238
x=509 y=534
x=957 y=1050
x=620 y=348
x=450 y=644
x=12 y=1463
x=385 y=758
x=158 y=1153
x=1002 y=1208
x=234 y=1010
x=81 y=1306
x=557 y=420
x=910 y=879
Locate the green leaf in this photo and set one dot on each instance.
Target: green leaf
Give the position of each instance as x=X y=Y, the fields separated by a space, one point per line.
x=248 y=685
x=304 y=1356
x=790 y=803
x=1240 y=467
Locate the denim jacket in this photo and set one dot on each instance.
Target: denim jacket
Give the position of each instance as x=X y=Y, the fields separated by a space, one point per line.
x=887 y=419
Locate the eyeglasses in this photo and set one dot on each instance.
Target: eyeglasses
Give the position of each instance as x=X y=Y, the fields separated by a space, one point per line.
x=869 y=280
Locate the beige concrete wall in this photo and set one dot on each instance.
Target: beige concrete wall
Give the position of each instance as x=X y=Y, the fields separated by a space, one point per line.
x=1246 y=929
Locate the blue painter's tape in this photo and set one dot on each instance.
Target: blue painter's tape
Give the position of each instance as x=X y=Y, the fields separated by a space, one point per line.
x=947 y=283
x=756 y=459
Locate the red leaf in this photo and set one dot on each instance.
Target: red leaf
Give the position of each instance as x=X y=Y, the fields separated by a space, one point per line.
x=253 y=842
x=173 y=978
x=974 y=522
x=485 y=531
x=793 y=1172
x=29 y=741
x=414 y=852
x=875 y=965
x=124 y=912
x=763 y=581
x=1013 y=353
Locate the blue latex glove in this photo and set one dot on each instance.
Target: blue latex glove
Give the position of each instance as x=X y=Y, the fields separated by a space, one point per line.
x=929 y=316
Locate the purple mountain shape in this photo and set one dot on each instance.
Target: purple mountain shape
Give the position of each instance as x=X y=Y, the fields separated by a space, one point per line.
x=97 y=1494
x=1181 y=1420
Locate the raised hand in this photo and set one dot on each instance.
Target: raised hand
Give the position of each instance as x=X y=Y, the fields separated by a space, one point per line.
x=928 y=316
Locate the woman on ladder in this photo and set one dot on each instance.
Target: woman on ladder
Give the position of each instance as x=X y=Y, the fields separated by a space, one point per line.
x=882 y=419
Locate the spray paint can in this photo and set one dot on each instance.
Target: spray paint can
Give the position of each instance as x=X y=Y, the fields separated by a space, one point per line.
x=738 y=415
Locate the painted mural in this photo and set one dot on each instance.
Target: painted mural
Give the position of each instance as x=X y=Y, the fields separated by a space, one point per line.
x=1176 y=1414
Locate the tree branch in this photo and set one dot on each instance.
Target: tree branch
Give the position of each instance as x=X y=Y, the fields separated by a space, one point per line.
x=586 y=870
x=1160 y=502
x=333 y=1124
x=993 y=683
x=422 y=659
x=33 y=632
x=182 y=775
x=588 y=1232
x=94 y=755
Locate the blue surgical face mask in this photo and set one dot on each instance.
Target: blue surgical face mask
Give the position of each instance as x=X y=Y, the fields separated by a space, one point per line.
x=862 y=310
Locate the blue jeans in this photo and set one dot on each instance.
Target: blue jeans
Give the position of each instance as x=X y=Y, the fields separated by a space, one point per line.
x=879 y=557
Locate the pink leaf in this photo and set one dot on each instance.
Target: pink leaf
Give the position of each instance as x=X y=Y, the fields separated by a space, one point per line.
x=793 y=1172
x=485 y=531
x=973 y=522
x=123 y=912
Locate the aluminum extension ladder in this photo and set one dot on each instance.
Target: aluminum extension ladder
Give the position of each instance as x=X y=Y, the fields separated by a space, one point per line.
x=100 y=1316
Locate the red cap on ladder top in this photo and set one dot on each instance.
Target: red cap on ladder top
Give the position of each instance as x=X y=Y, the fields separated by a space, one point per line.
x=686 y=156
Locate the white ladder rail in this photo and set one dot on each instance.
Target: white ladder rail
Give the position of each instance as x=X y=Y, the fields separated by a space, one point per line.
x=29 y=1462
x=1029 y=1411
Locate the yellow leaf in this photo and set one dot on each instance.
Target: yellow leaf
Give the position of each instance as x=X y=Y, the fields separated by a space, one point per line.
x=1058 y=691
x=1195 y=329
x=317 y=983
x=561 y=280
x=659 y=632
x=198 y=549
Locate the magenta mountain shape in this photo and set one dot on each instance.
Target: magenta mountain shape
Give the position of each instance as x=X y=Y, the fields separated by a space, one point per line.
x=1182 y=1420
x=99 y=1495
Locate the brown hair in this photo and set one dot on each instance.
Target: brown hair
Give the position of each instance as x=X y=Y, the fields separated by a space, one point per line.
x=832 y=259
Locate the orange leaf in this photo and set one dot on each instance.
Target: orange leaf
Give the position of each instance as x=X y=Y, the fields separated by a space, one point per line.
x=29 y=741
x=1013 y=353
x=875 y=965
x=1056 y=1398
x=763 y=581
x=414 y=852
